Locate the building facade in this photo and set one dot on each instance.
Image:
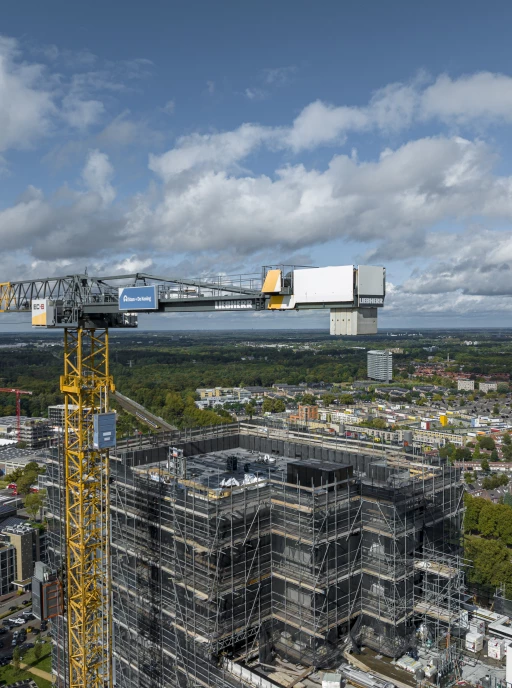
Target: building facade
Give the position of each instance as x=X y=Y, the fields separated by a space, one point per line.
x=7 y=566
x=465 y=385
x=255 y=545
x=380 y=365
x=488 y=387
x=34 y=432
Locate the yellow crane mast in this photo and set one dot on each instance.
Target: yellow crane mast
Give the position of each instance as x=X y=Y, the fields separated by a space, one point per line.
x=86 y=384
x=85 y=308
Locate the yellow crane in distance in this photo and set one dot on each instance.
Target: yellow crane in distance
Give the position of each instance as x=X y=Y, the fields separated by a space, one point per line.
x=86 y=308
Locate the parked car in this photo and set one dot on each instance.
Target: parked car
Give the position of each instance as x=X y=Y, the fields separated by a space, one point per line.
x=13 y=608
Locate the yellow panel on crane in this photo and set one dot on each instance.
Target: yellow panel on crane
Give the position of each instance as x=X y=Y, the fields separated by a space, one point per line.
x=272 y=283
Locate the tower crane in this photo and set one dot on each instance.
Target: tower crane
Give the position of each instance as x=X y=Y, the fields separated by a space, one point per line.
x=86 y=308
x=18 y=393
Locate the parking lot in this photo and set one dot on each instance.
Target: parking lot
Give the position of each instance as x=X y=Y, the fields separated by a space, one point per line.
x=27 y=629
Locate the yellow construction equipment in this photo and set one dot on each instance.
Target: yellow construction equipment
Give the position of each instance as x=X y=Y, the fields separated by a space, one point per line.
x=85 y=308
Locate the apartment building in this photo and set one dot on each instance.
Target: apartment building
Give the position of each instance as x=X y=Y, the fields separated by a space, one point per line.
x=465 y=385
x=380 y=365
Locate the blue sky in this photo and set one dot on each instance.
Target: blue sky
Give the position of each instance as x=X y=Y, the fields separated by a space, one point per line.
x=200 y=137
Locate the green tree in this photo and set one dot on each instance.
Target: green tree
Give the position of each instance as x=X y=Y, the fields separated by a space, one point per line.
x=328 y=399
x=268 y=405
x=38 y=649
x=25 y=482
x=507 y=439
x=346 y=399
x=462 y=454
x=507 y=452
x=249 y=410
x=477 y=454
x=485 y=465
x=487 y=442
x=494 y=455
x=16 y=656
x=279 y=406
x=469 y=477
x=495 y=409
x=472 y=514
x=34 y=502
x=308 y=399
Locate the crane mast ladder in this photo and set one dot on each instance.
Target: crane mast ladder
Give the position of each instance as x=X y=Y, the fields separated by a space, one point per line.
x=85 y=384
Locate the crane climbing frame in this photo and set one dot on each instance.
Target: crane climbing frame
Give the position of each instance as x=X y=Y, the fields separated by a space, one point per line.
x=86 y=307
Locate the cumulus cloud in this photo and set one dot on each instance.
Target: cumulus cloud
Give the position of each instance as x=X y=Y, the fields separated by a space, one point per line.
x=97 y=175
x=36 y=100
x=402 y=304
x=392 y=201
x=479 y=263
x=217 y=151
x=477 y=96
x=26 y=106
x=69 y=225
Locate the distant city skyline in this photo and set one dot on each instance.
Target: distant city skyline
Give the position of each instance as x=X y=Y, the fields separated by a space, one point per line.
x=203 y=138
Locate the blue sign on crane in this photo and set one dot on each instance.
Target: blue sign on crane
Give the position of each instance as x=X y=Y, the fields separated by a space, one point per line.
x=138 y=298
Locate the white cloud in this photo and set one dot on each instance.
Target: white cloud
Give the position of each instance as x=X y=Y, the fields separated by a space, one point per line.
x=81 y=114
x=448 y=309
x=391 y=201
x=278 y=76
x=132 y=264
x=169 y=107
x=255 y=94
x=97 y=175
x=125 y=130
x=26 y=107
x=210 y=87
x=213 y=150
x=484 y=95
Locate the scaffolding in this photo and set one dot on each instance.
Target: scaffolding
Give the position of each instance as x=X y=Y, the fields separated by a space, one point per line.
x=223 y=560
x=315 y=559
x=411 y=540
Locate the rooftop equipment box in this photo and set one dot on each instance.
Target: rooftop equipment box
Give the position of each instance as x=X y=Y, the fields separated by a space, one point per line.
x=317 y=474
x=474 y=642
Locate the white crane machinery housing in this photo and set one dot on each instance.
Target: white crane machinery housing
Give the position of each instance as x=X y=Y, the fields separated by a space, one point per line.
x=352 y=294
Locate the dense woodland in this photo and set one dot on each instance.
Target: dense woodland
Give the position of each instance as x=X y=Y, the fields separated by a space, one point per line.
x=162 y=370
x=488 y=542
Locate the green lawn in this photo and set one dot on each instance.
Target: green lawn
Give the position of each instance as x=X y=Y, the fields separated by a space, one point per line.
x=45 y=660
x=8 y=675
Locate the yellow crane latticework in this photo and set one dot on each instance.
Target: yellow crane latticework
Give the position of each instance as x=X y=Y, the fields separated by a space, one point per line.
x=85 y=384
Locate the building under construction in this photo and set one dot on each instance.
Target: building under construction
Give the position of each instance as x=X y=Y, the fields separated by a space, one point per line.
x=243 y=546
